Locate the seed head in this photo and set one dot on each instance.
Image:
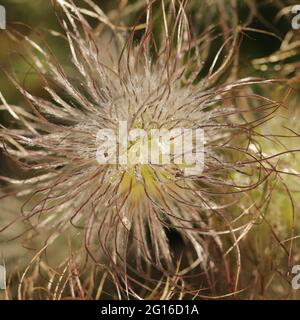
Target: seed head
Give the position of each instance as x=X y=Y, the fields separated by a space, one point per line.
x=127 y=213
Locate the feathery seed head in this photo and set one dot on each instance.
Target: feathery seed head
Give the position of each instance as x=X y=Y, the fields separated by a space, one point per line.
x=126 y=210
